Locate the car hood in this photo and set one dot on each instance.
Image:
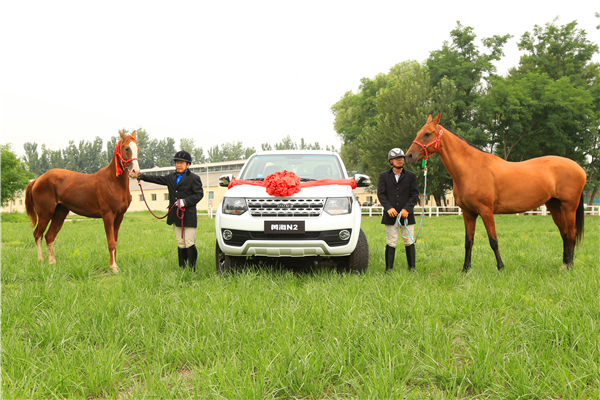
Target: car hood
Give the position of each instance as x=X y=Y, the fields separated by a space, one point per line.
x=249 y=191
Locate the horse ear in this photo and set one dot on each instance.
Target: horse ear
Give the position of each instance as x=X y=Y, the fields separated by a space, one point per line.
x=437 y=119
x=122 y=135
x=133 y=134
x=429 y=119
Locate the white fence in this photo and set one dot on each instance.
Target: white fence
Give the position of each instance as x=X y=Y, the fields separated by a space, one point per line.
x=437 y=211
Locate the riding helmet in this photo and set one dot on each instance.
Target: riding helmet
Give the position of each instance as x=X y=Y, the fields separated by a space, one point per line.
x=183 y=156
x=395 y=153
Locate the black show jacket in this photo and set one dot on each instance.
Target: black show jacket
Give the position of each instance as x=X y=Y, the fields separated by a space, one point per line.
x=189 y=189
x=403 y=194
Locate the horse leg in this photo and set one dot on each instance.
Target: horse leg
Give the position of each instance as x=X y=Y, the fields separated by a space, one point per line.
x=558 y=217
x=109 y=228
x=38 y=234
x=60 y=213
x=570 y=234
x=117 y=225
x=490 y=227
x=470 y=220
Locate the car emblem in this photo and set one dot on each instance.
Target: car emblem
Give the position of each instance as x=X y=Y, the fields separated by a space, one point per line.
x=284 y=205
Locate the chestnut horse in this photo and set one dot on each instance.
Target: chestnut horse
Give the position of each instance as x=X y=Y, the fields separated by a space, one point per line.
x=104 y=194
x=485 y=184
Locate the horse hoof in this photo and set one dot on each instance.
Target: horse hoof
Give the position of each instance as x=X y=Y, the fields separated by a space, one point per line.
x=114 y=269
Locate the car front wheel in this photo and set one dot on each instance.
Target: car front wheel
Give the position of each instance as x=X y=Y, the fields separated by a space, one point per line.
x=226 y=264
x=358 y=261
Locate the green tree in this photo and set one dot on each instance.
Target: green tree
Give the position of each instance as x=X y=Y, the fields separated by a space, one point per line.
x=468 y=68
x=547 y=104
x=286 y=144
x=229 y=152
x=164 y=151
x=402 y=107
x=248 y=152
x=197 y=153
x=32 y=159
x=15 y=176
x=147 y=147
x=354 y=113
x=558 y=51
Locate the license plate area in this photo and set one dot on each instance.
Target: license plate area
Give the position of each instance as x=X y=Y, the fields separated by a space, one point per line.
x=284 y=227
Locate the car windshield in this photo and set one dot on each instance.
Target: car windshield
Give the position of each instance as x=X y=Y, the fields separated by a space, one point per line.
x=306 y=166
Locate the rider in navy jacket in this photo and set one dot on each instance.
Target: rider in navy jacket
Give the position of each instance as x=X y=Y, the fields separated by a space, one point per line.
x=398 y=193
x=185 y=191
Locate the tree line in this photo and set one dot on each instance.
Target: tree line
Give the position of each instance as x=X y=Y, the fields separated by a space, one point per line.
x=90 y=156
x=547 y=105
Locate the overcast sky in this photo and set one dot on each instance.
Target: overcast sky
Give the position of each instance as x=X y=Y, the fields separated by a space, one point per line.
x=249 y=71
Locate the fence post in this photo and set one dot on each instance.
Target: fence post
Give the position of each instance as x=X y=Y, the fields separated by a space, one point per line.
x=544 y=209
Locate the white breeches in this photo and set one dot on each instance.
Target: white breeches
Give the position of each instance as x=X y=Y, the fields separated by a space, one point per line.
x=391 y=234
x=189 y=237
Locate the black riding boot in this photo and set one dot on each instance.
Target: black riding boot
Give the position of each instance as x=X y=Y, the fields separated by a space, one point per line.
x=192 y=256
x=390 y=253
x=183 y=256
x=410 y=257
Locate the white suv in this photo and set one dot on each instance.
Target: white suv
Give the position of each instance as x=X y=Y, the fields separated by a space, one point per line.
x=321 y=221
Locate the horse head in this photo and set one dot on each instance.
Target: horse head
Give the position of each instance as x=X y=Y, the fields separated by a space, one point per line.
x=127 y=152
x=427 y=141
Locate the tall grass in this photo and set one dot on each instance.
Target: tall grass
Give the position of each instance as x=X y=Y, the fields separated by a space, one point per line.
x=75 y=330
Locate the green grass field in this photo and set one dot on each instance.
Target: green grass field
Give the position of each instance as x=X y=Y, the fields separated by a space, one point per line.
x=75 y=330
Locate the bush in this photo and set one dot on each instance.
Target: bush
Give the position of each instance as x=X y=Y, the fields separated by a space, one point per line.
x=15 y=217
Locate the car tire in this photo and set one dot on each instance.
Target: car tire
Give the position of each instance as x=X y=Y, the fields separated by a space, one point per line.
x=226 y=264
x=358 y=261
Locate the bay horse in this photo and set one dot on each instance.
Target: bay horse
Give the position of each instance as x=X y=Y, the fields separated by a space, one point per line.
x=104 y=194
x=485 y=184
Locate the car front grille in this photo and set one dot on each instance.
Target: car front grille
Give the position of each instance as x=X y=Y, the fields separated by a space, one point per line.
x=285 y=208
x=332 y=238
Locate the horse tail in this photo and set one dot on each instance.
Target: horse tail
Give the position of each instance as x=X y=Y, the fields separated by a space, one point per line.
x=29 y=204
x=579 y=221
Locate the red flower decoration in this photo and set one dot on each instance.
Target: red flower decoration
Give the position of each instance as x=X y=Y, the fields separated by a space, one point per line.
x=282 y=183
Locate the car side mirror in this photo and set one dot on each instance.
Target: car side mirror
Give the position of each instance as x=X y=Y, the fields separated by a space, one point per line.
x=224 y=180
x=362 y=180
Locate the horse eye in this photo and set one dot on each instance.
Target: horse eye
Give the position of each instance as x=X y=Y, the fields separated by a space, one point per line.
x=427 y=134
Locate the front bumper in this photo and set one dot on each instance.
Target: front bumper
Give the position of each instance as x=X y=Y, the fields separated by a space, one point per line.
x=321 y=237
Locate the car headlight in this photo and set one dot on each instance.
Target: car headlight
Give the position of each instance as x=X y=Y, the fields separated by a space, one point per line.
x=234 y=205
x=338 y=205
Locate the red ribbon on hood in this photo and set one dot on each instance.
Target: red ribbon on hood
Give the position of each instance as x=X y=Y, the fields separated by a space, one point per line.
x=287 y=183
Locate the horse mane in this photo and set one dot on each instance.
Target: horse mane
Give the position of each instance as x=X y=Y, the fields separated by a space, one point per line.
x=467 y=142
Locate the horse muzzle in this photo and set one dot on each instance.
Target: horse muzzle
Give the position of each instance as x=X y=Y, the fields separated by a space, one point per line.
x=412 y=157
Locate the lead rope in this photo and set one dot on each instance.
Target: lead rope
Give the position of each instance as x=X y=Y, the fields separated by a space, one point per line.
x=397 y=225
x=164 y=216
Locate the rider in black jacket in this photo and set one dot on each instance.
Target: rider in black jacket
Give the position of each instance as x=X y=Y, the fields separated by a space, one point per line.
x=398 y=193
x=185 y=191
